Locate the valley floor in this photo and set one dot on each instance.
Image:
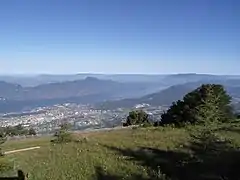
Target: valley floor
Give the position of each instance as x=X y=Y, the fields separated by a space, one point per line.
x=139 y=153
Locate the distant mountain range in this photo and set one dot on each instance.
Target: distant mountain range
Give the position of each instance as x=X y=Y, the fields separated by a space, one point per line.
x=14 y=97
x=35 y=80
x=176 y=92
x=172 y=79
x=78 y=88
x=109 y=91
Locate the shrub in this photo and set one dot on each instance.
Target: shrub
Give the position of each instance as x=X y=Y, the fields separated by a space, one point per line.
x=32 y=132
x=63 y=135
x=137 y=117
x=147 y=124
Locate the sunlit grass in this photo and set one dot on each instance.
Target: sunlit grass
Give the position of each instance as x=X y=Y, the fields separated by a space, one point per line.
x=78 y=160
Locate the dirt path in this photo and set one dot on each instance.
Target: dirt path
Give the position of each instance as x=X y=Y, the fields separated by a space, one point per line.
x=21 y=150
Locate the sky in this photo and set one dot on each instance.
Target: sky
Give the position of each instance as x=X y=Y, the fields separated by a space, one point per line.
x=119 y=36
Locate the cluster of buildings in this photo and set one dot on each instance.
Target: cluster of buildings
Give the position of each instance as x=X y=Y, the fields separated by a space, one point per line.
x=48 y=119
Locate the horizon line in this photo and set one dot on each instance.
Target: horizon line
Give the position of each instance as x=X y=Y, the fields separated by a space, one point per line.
x=102 y=73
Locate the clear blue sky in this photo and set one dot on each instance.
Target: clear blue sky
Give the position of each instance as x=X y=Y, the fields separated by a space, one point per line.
x=120 y=36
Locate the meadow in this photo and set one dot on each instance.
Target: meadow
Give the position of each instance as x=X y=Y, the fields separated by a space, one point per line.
x=138 y=153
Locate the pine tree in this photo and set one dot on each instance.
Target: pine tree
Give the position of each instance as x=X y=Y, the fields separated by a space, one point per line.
x=207 y=104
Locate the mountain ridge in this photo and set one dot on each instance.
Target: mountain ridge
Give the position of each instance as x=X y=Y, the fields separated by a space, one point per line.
x=38 y=79
x=166 y=96
x=88 y=90
x=117 y=93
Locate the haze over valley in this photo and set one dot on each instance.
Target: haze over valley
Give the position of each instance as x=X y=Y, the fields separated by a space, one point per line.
x=96 y=89
x=96 y=101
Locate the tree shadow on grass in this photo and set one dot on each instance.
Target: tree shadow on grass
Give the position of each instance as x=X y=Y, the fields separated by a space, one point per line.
x=205 y=158
x=100 y=174
x=217 y=157
x=157 y=162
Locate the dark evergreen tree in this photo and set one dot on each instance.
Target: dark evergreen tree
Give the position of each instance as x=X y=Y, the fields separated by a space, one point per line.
x=208 y=103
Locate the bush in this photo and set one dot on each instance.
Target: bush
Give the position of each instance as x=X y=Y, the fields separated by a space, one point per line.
x=134 y=127
x=137 y=117
x=16 y=130
x=147 y=124
x=63 y=135
x=32 y=132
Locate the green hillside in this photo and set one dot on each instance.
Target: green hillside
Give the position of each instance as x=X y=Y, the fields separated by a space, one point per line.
x=142 y=153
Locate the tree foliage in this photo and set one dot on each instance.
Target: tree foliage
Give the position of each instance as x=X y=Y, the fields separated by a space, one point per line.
x=63 y=135
x=3 y=139
x=31 y=131
x=17 y=130
x=136 y=118
x=208 y=103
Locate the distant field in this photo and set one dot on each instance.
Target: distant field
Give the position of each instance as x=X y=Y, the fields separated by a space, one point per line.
x=120 y=154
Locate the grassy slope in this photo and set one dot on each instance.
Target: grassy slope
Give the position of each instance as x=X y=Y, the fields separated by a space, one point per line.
x=105 y=155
